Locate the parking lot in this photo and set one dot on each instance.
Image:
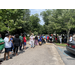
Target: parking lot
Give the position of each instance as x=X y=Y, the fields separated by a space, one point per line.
x=67 y=57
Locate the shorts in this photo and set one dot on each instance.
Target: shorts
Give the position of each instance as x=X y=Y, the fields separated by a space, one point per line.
x=7 y=50
x=24 y=43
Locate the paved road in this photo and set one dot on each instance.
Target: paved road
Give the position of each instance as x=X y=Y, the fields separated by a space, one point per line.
x=67 y=57
x=40 y=55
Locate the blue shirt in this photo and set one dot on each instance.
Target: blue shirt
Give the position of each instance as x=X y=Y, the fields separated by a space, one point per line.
x=40 y=38
x=46 y=37
x=11 y=42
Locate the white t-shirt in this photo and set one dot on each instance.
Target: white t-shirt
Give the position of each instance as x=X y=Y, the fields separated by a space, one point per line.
x=70 y=39
x=60 y=37
x=31 y=38
x=7 y=43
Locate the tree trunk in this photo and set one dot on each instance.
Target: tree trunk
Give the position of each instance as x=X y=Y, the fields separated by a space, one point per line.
x=68 y=32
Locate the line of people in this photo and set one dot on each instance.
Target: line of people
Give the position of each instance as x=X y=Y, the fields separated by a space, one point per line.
x=11 y=44
x=14 y=43
x=39 y=40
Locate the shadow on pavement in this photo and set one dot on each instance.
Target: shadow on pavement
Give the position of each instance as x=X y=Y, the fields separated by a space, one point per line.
x=11 y=56
x=27 y=47
x=70 y=54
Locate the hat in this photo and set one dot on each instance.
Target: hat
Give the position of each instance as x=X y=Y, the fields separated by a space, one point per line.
x=6 y=34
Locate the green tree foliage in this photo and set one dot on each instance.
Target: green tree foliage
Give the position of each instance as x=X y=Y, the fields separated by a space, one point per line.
x=45 y=15
x=59 y=20
x=13 y=19
x=34 y=21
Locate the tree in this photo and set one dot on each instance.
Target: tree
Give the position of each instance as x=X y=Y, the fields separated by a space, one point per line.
x=55 y=22
x=26 y=26
x=45 y=15
x=11 y=19
x=34 y=21
x=68 y=16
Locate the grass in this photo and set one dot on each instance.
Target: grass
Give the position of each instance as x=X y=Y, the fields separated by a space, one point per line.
x=63 y=44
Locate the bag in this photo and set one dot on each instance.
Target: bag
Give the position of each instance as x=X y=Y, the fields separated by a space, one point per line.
x=1 y=45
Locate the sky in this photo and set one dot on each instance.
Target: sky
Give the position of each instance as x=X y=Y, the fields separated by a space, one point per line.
x=34 y=11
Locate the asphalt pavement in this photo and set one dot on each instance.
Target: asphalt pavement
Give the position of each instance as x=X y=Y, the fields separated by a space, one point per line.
x=46 y=54
x=67 y=57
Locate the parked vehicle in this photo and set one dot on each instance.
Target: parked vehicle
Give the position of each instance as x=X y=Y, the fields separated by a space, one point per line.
x=71 y=47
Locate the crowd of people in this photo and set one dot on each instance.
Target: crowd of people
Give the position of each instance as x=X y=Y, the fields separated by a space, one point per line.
x=39 y=40
x=12 y=43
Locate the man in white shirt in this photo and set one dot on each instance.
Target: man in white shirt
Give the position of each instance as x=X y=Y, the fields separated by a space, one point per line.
x=32 y=41
x=70 y=38
x=7 y=45
x=60 y=39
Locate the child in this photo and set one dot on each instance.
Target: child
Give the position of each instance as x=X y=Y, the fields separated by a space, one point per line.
x=24 y=40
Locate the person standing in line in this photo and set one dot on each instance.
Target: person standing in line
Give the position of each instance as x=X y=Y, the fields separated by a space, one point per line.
x=70 y=38
x=46 y=38
x=60 y=39
x=12 y=47
x=36 y=40
x=32 y=41
x=1 y=45
x=74 y=36
x=7 y=45
x=24 y=40
x=50 y=37
x=17 y=43
x=65 y=39
x=56 y=38
x=43 y=39
x=21 y=38
x=11 y=43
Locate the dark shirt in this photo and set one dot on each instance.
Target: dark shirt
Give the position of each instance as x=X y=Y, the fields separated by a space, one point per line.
x=36 y=38
x=16 y=41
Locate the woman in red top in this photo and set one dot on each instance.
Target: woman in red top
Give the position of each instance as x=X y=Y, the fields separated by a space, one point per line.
x=47 y=38
x=24 y=40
